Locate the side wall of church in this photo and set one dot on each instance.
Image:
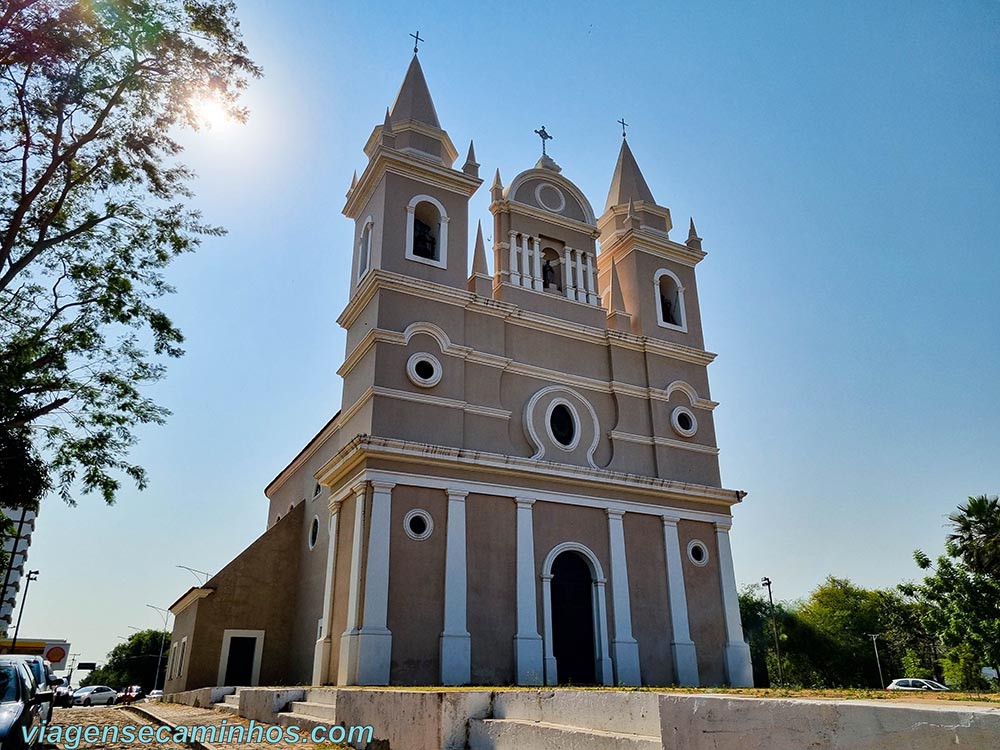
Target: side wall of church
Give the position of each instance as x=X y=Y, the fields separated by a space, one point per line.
x=704 y=598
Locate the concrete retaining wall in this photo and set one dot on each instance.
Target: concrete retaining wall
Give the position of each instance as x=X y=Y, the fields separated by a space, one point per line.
x=201 y=698
x=264 y=704
x=707 y=722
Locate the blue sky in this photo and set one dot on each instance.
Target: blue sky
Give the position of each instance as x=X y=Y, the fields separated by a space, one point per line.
x=842 y=162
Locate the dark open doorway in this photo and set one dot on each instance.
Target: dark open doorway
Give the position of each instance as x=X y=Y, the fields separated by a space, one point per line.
x=239 y=666
x=573 y=619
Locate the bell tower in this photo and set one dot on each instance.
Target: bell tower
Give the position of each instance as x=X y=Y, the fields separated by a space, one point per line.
x=410 y=206
x=652 y=276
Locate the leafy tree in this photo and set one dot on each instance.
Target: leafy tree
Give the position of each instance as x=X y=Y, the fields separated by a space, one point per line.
x=93 y=207
x=133 y=662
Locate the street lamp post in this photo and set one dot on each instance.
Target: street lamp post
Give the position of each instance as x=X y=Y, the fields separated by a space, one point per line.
x=32 y=576
x=874 y=637
x=774 y=627
x=163 y=637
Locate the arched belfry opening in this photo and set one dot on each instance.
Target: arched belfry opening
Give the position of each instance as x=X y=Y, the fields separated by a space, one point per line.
x=427 y=231
x=573 y=637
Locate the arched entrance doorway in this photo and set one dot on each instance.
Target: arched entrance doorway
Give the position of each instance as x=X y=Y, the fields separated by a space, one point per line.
x=574 y=611
x=573 y=619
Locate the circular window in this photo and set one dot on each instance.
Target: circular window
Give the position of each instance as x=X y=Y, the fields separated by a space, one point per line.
x=424 y=370
x=697 y=553
x=550 y=197
x=683 y=421
x=418 y=524
x=562 y=425
x=314 y=532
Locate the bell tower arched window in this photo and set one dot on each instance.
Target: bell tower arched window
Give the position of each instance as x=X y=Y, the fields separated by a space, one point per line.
x=670 y=309
x=365 y=248
x=427 y=231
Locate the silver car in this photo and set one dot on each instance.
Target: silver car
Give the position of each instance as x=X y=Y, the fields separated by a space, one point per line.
x=95 y=695
x=913 y=683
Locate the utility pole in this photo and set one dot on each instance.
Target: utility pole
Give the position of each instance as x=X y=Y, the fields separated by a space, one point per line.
x=874 y=637
x=165 y=613
x=10 y=562
x=774 y=628
x=32 y=576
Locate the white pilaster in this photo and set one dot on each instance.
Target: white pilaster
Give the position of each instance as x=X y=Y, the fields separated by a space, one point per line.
x=515 y=276
x=456 y=648
x=624 y=647
x=605 y=670
x=568 y=289
x=591 y=282
x=527 y=642
x=681 y=645
x=538 y=265
x=324 y=646
x=374 y=638
x=739 y=671
x=347 y=666
x=581 y=290
x=551 y=671
x=525 y=261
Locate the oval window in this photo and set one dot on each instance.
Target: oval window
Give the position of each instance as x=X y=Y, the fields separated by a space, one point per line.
x=424 y=370
x=697 y=553
x=563 y=425
x=418 y=524
x=313 y=533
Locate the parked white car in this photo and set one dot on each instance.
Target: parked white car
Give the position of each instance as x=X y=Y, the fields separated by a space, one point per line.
x=915 y=684
x=95 y=695
x=154 y=695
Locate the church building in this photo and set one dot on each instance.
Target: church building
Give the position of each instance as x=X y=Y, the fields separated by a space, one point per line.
x=522 y=484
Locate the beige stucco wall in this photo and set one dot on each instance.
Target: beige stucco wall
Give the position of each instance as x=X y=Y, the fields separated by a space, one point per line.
x=704 y=598
x=647 y=579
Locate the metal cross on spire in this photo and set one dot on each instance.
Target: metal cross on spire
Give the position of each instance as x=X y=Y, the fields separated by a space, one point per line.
x=416 y=42
x=544 y=136
x=624 y=125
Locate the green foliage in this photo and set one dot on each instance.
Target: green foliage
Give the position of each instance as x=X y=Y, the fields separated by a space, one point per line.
x=133 y=662
x=963 y=667
x=93 y=208
x=975 y=536
x=914 y=666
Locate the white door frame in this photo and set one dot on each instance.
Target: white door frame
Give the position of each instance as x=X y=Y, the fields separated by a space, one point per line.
x=258 y=653
x=602 y=660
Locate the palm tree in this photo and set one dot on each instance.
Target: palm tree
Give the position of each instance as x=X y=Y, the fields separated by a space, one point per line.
x=976 y=534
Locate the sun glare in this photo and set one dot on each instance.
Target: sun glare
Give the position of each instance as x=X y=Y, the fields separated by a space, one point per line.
x=210 y=113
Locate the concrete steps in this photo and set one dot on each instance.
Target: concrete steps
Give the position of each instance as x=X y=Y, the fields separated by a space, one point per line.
x=578 y=719
x=518 y=734
x=229 y=703
x=318 y=709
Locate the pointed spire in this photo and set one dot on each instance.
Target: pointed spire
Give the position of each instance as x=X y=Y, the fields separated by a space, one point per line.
x=479 y=254
x=471 y=166
x=628 y=182
x=413 y=102
x=693 y=241
x=387 y=123
x=496 y=191
x=632 y=221
x=354 y=183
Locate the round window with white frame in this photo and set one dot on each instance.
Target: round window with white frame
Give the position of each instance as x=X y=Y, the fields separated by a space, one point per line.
x=424 y=370
x=683 y=421
x=313 y=532
x=697 y=553
x=550 y=197
x=562 y=424
x=418 y=524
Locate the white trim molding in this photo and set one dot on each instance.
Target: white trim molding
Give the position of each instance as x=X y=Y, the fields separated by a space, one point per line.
x=374 y=637
x=442 y=250
x=258 y=654
x=602 y=660
x=428 y=524
x=456 y=642
x=660 y=319
x=675 y=421
x=697 y=543
x=365 y=248
x=528 y=663
x=574 y=417
x=739 y=672
x=624 y=646
x=682 y=648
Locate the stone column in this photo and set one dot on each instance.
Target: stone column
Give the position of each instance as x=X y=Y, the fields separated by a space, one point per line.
x=374 y=638
x=681 y=645
x=624 y=647
x=525 y=262
x=347 y=666
x=515 y=277
x=591 y=282
x=605 y=671
x=324 y=646
x=551 y=671
x=568 y=289
x=538 y=265
x=581 y=290
x=456 y=649
x=527 y=642
x=738 y=669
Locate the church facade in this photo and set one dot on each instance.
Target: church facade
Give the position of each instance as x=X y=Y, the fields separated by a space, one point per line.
x=522 y=485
